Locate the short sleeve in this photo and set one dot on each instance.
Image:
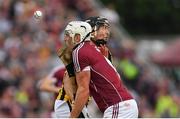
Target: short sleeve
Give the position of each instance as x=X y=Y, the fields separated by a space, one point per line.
x=80 y=59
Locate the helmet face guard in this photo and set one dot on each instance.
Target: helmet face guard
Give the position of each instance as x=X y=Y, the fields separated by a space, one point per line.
x=68 y=32
x=96 y=23
x=78 y=27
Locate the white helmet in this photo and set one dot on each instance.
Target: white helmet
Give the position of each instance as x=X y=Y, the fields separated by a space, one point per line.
x=79 y=27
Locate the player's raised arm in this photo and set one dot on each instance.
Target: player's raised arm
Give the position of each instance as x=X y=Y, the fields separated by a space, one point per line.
x=68 y=83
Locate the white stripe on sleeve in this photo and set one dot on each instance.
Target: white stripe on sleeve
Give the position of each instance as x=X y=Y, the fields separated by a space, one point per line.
x=76 y=59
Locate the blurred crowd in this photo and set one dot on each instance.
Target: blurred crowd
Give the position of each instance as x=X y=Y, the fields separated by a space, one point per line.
x=28 y=52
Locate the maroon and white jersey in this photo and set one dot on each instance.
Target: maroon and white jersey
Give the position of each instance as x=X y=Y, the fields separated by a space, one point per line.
x=105 y=84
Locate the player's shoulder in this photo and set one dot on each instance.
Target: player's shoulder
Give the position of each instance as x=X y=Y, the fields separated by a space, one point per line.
x=81 y=49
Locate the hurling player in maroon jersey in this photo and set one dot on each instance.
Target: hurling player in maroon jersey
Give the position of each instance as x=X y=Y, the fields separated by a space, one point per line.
x=100 y=34
x=53 y=81
x=96 y=75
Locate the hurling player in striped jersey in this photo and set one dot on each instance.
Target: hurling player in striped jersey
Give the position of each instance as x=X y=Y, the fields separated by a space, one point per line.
x=100 y=26
x=96 y=75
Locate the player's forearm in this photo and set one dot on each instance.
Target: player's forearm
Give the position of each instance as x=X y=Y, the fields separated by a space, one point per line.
x=49 y=88
x=47 y=85
x=80 y=101
x=69 y=87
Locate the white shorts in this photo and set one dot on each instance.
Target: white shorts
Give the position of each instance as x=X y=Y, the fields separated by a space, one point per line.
x=125 y=109
x=61 y=109
x=93 y=109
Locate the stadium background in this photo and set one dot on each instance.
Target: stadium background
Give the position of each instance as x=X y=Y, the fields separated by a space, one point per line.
x=144 y=41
